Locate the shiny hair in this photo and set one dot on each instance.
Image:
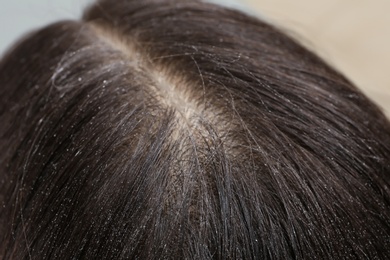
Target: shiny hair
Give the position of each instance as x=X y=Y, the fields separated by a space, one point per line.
x=167 y=129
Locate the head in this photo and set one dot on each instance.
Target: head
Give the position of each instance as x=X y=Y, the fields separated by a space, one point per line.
x=185 y=130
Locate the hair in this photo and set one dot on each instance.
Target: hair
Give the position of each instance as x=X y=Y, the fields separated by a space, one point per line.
x=167 y=129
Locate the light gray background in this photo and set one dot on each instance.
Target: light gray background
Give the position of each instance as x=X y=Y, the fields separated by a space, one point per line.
x=17 y=17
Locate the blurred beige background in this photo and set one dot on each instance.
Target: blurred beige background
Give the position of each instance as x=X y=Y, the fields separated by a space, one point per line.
x=352 y=35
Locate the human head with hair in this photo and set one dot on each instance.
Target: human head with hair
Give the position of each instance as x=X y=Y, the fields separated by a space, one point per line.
x=168 y=129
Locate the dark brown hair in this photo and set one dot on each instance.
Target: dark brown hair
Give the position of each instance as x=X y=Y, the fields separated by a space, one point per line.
x=184 y=130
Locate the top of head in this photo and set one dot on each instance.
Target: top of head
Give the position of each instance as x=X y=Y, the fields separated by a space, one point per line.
x=180 y=129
